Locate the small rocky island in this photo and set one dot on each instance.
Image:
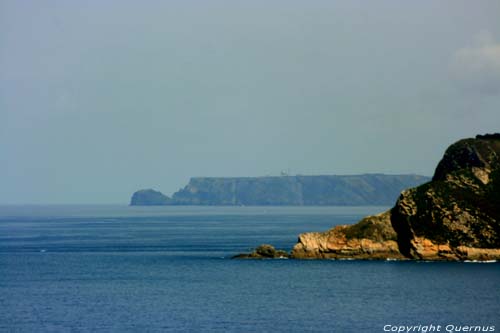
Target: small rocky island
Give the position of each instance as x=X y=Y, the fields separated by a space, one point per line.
x=149 y=197
x=456 y=216
x=264 y=251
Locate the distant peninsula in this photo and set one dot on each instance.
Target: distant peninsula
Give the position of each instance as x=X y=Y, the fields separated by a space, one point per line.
x=325 y=190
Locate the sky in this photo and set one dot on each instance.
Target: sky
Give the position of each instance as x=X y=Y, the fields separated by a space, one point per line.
x=102 y=98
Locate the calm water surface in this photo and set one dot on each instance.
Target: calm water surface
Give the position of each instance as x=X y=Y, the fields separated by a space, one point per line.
x=143 y=269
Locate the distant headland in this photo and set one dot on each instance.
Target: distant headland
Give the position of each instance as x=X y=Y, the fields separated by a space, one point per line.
x=326 y=190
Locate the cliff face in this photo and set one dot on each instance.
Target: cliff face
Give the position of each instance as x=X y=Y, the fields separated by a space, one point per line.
x=456 y=216
x=369 y=189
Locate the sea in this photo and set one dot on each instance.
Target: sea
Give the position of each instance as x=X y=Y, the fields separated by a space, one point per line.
x=169 y=269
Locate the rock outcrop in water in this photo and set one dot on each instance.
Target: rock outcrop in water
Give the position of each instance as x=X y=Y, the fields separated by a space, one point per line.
x=149 y=197
x=264 y=251
x=368 y=189
x=456 y=216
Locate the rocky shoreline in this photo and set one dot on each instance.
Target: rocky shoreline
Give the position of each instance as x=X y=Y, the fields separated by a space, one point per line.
x=454 y=217
x=371 y=238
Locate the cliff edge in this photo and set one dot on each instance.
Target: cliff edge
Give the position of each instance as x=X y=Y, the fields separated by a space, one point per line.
x=456 y=216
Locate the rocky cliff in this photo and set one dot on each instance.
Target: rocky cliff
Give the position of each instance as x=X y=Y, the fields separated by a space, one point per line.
x=368 y=189
x=456 y=216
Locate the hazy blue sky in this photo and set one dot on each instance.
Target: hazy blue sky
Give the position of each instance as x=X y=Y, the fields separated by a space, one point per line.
x=100 y=98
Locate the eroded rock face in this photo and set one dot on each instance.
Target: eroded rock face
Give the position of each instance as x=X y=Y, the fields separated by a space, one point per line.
x=371 y=238
x=456 y=216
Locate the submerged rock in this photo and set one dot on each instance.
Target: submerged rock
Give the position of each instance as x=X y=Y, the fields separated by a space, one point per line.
x=456 y=216
x=264 y=251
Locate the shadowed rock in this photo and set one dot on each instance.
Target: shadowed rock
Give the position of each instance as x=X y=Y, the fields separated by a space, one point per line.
x=457 y=215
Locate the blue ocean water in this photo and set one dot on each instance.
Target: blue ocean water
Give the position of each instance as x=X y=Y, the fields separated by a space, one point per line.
x=148 y=269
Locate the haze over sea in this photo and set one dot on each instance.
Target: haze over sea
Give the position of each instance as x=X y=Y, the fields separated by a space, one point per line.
x=119 y=268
